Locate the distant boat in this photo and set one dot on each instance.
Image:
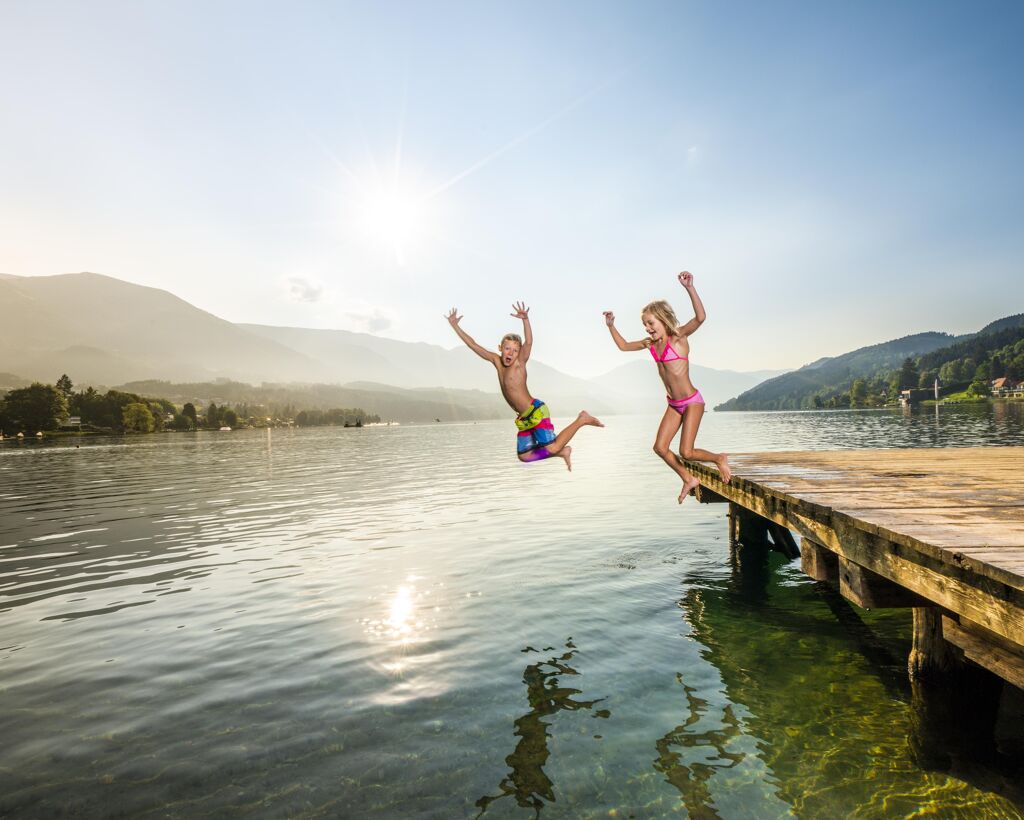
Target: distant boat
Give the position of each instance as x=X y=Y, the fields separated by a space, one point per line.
x=225 y=429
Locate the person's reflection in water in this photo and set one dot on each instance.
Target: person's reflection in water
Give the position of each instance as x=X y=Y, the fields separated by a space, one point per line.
x=527 y=781
x=704 y=753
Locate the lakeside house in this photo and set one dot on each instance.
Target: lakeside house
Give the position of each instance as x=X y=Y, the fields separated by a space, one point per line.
x=1006 y=387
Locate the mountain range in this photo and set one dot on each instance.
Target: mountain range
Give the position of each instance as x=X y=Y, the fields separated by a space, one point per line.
x=107 y=332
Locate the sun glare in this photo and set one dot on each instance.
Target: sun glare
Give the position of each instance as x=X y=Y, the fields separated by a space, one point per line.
x=394 y=218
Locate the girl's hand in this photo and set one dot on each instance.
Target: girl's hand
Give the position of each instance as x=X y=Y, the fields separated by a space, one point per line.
x=453 y=318
x=609 y=318
x=686 y=279
x=521 y=311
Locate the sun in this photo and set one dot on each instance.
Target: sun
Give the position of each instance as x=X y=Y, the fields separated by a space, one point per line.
x=393 y=217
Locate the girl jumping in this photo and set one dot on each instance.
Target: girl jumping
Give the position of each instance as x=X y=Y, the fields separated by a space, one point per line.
x=669 y=344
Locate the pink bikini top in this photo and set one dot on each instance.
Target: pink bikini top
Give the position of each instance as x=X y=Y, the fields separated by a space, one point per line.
x=668 y=354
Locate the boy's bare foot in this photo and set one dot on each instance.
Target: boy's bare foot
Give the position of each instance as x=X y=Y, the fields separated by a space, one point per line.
x=585 y=418
x=688 y=487
x=566 y=453
x=723 y=468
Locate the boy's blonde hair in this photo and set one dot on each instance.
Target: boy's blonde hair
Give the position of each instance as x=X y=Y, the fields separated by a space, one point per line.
x=662 y=311
x=511 y=337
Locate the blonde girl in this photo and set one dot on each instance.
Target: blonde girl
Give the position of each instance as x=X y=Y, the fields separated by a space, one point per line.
x=669 y=344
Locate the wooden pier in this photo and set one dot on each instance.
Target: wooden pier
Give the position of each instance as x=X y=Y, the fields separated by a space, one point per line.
x=940 y=531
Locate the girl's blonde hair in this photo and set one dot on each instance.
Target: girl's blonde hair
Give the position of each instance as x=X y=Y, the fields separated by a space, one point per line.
x=662 y=311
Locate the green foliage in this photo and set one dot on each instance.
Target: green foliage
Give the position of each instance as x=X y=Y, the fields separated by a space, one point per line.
x=103 y=410
x=978 y=387
x=909 y=375
x=830 y=382
x=858 y=393
x=228 y=417
x=189 y=412
x=832 y=378
x=338 y=416
x=35 y=408
x=182 y=423
x=137 y=418
x=65 y=386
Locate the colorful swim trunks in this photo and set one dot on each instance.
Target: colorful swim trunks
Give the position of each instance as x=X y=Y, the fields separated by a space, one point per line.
x=535 y=428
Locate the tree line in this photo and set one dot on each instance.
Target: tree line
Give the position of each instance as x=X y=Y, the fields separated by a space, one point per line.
x=969 y=366
x=46 y=408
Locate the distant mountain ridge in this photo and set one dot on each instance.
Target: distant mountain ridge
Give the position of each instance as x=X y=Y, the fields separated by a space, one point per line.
x=104 y=331
x=797 y=389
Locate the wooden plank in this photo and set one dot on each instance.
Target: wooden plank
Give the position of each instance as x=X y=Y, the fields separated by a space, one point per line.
x=706 y=495
x=869 y=590
x=1007 y=665
x=980 y=592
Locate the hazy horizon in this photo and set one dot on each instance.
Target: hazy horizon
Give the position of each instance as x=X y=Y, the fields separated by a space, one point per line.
x=834 y=176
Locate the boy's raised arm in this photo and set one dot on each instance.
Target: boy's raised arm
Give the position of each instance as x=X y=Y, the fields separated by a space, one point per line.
x=453 y=320
x=620 y=341
x=523 y=312
x=686 y=280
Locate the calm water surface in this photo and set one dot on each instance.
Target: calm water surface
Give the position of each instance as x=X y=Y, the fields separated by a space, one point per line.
x=406 y=621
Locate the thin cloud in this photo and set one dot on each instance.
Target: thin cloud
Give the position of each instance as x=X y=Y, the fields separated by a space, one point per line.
x=373 y=321
x=304 y=290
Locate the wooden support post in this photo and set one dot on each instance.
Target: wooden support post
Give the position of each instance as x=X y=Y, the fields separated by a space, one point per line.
x=783 y=540
x=753 y=529
x=734 y=522
x=869 y=590
x=931 y=656
x=819 y=563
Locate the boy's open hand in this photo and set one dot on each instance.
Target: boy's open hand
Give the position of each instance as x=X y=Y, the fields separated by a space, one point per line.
x=521 y=311
x=686 y=279
x=609 y=318
x=454 y=318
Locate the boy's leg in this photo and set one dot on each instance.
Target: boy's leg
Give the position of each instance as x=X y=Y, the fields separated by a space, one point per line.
x=691 y=421
x=560 y=445
x=663 y=447
x=582 y=420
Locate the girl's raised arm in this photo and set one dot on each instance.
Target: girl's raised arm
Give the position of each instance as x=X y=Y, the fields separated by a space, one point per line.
x=686 y=280
x=620 y=342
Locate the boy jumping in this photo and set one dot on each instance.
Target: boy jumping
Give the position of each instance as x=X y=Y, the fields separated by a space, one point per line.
x=536 y=437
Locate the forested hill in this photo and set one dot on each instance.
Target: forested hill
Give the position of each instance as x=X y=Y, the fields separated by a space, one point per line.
x=828 y=382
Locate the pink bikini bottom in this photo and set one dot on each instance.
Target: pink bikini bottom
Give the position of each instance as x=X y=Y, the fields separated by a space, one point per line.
x=680 y=405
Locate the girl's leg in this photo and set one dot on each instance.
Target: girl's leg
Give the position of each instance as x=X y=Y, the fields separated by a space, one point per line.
x=691 y=421
x=663 y=447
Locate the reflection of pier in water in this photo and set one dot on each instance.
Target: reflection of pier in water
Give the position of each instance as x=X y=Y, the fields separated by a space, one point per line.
x=527 y=781
x=797 y=720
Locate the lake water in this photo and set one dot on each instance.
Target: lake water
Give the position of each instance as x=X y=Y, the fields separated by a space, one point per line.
x=407 y=622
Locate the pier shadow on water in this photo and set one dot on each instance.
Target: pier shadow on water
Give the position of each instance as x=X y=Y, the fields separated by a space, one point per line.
x=526 y=782
x=823 y=688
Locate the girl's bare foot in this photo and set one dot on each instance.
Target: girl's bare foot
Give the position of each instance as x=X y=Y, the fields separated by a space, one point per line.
x=688 y=485
x=723 y=468
x=566 y=453
x=585 y=418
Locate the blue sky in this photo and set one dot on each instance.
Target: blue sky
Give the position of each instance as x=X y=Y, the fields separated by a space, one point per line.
x=833 y=174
